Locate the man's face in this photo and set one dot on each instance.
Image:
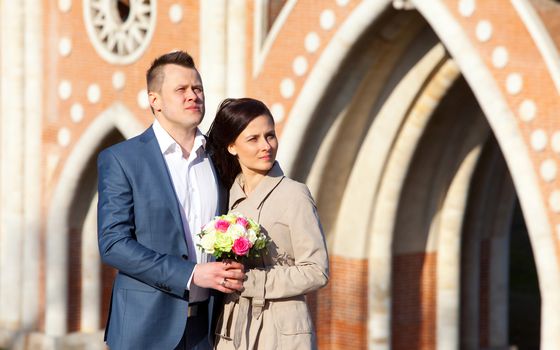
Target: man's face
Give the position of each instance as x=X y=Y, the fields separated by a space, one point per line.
x=180 y=101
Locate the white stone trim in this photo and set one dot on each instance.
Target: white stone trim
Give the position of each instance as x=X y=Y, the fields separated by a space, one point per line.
x=503 y=123
x=448 y=270
x=358 y=200
x=213 y=56
x=386 y=205
x=260 y=48
x=541 y=37
x=122 y=36
x=91 y=273
x=33 y=38
x=319 y=77
x=119 y=117
x=12 y=146
x=236 y=53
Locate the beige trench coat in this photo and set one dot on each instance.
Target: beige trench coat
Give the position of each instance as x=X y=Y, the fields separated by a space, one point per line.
x=271 y=312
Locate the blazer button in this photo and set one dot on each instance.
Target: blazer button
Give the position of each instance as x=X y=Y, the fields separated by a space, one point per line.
x=185 y=257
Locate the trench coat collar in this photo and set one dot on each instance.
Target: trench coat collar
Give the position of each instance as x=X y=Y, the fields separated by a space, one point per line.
x=260 y=193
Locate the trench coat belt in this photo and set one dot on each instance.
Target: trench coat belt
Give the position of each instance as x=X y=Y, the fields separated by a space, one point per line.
x=257 y=304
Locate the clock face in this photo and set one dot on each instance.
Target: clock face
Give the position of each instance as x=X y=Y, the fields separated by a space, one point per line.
x=120 y=30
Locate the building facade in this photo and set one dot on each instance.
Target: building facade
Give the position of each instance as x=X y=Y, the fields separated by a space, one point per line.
x=425 y=129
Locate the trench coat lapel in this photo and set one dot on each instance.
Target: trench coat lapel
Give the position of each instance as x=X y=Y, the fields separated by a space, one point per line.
x=257 y=198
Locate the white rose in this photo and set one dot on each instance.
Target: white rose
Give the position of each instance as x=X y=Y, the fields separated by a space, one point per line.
x=252 y=236
x=207 y=242
x=235 y=231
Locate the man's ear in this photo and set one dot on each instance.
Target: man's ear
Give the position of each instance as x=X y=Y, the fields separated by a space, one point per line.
x=154 y=99
x=231 y=149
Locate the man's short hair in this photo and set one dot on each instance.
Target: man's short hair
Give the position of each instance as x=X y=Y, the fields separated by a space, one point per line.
x=154 y=75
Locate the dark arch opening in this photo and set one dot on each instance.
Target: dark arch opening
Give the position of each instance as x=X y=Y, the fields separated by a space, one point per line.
x=524 y=295
x=81 y=201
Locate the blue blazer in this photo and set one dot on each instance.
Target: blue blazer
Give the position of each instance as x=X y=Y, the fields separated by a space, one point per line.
x=140 y=233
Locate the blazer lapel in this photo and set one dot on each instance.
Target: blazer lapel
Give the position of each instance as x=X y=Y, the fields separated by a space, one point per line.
x=163 y=182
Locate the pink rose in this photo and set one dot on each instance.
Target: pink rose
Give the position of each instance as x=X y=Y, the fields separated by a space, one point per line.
x=241 y=246
x=221 y=225
x=242 y=221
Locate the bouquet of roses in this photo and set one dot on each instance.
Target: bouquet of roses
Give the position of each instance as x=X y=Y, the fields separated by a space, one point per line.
x=232 y=236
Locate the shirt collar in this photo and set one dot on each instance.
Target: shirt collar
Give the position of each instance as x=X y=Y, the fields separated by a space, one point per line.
x=261 y=192
x=167 y=143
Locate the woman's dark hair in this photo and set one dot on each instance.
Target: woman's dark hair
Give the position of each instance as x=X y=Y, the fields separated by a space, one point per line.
x=233 y=116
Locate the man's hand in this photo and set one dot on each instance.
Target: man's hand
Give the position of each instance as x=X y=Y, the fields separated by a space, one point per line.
x=225 y=276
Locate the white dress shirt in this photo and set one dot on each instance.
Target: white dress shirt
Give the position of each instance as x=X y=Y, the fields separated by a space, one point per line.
x=196 y=188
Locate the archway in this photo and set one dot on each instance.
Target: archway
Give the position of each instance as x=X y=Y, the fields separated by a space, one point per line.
x=360 y=143
x=66 y=214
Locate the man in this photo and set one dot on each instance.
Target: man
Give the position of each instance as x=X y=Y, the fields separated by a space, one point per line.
x=155 y=192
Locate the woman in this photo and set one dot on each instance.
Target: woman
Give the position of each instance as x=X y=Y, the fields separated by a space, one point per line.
x=271 y=312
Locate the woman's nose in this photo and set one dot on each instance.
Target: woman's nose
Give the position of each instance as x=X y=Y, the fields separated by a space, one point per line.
x=266 y=145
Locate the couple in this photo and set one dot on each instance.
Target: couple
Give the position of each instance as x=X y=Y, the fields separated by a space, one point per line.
x=158 y=189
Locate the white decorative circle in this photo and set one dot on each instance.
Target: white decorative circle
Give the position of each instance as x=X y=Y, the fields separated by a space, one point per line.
x=93 y=93
x=77 y=112
x=299 y=65
x=527 y=110
x=327 y=19
x=466 y=7
x=64 y=5
x=119 y=80
x=514 y=83
x=554 y=201
x=64 y=89
x=500 y=57
x=342 y=3
x=176 y=13
x=555 y=142
x=548 y=170
x=538 y=140
x=120 y=35
x=312 y=42
x=142 y=99
x=484 y=30
x=65 y=46
x=63 y=137
x=287 y=88
x=277 y=111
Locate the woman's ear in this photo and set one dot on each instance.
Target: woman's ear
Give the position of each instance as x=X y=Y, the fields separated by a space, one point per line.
x=231 y=149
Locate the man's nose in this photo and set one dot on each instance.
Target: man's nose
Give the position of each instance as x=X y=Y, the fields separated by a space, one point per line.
x=190 y=94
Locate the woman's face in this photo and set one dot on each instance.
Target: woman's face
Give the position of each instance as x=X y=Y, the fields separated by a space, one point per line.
x=256 y=146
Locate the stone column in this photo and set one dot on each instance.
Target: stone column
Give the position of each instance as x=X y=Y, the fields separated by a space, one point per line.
x=213 y=55
x=236 y=48
x=33 y=109
x=12 y=116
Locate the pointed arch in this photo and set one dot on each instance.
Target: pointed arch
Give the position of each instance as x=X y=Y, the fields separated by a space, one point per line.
x=116 y=117
x=504 y=125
